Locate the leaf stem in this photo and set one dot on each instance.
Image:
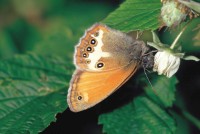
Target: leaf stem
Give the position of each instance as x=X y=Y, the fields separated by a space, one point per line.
x=192 y=119
x=178 y=37
x=187 y=116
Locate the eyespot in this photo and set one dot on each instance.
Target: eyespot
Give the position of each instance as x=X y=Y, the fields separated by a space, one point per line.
x=89 y=49
x=80 y=97
x=99 y=65
x=96 y=34
x=93 y=42
x=88 y=61
x=85 y=55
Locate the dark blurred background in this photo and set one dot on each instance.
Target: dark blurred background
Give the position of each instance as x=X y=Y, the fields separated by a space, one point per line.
x=47 y=27
x=53 y=27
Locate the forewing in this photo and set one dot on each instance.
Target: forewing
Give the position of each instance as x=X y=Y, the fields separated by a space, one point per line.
x=111 y=49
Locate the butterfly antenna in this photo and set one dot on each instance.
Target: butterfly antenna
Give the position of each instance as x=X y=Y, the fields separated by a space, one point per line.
x=147 y=62
x=146 y=54
x=166 y=28
x=153 y=89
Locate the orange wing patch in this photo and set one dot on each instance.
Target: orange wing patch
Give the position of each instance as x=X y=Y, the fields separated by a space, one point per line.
x=90 y=88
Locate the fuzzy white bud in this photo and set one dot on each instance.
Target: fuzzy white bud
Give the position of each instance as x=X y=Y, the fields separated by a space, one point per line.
x=171 y=14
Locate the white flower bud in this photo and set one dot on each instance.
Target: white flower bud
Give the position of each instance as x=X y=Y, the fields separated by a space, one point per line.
x=167 y=60
x=166 y=63
x=171 y=13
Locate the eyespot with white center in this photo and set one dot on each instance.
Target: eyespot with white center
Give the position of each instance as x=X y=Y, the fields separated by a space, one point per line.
x=89 y=49
x=80 y=97
x=93 y=41
x=85 y=55
x=99 y=65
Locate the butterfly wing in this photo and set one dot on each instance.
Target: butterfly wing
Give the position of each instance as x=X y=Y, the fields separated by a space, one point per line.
x=90 y=88
x=104 y=49
x=104 y=59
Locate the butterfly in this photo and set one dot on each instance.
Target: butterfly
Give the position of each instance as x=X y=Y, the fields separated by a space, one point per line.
x=105 y=59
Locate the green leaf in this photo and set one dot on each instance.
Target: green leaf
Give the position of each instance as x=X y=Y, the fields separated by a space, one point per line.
x=135 y=15
x=142 y=116
x=182 y=124
x=32 y=91
x=163 y=90
x=182 y=116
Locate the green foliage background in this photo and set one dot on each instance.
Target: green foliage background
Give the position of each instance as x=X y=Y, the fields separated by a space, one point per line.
x=37 y=39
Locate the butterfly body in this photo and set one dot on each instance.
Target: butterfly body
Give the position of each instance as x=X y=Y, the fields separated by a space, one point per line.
x=104 y=60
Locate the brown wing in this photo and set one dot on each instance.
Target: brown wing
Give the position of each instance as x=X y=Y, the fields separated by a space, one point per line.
x=89 y=88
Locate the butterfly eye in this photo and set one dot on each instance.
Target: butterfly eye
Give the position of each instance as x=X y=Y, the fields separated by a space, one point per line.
x=99 y=65
x=85 y=55
x=93 y=42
